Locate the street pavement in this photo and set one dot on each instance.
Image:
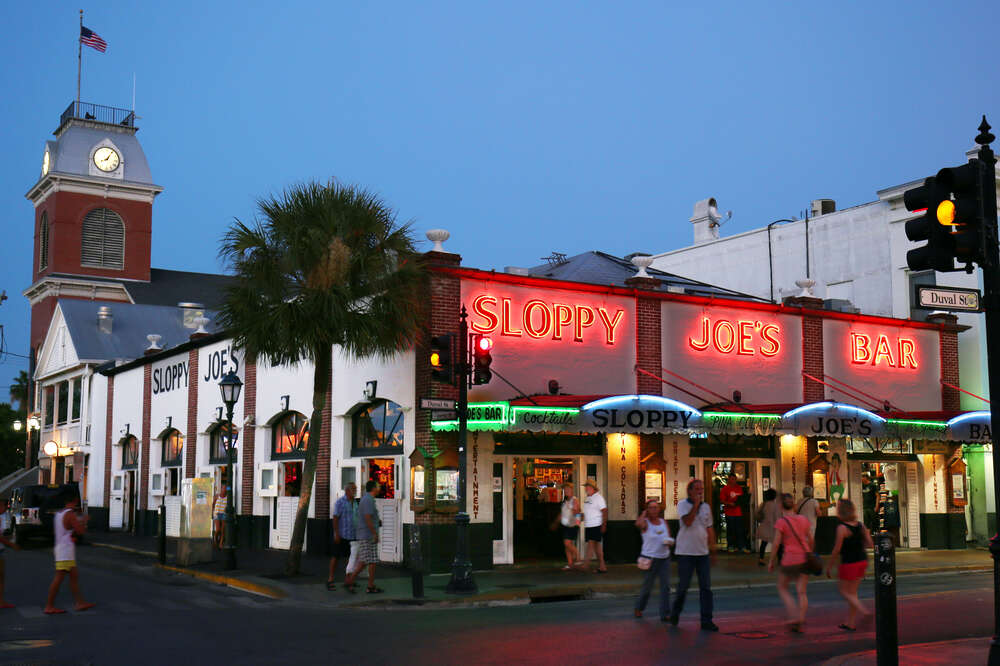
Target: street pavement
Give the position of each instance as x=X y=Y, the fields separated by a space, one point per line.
x=151 y=616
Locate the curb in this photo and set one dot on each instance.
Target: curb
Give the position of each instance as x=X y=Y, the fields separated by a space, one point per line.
x=229 y=581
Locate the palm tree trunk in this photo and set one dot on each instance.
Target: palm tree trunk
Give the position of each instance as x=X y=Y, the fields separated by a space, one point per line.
x=323 y=362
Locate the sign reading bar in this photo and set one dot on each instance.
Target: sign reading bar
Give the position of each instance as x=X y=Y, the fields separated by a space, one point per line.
x=948 y=298
x=438 y=403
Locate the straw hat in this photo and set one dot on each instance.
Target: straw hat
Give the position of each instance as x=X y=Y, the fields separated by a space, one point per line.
x=592 y=484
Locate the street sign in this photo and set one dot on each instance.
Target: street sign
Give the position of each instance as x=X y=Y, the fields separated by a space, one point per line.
x=444 y=415
x=438 y=403
x=949 y=298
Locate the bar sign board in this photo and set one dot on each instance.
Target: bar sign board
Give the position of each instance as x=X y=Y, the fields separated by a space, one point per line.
x=949 y=298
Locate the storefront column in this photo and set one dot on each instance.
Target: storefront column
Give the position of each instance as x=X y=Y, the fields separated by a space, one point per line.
x=648 y=321
x=191 y=436
x=950 y=398
x=620 y=542
x=145 y=527
x=108 y=424
x=812 y=348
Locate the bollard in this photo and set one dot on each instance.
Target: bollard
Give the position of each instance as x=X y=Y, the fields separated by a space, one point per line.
x=886 y=630
x=163 y=534
x=416 y=563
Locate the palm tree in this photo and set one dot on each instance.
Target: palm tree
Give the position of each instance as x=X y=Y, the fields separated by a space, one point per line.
x=19 y=390
x=323 y=265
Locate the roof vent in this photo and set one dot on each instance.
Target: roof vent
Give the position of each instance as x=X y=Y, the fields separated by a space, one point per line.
x=154 y=343
x=104 y=319
x=517 y=270
x=822 y=207
x=191 y=311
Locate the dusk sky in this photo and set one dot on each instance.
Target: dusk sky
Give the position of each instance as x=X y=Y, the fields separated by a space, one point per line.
x=522 y=128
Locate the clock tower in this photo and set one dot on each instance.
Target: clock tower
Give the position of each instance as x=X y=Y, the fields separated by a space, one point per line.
x=93 y=207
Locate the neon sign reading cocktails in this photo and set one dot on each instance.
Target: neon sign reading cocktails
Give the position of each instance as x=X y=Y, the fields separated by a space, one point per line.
x=539 y=319
x=866 y=351
x=743 y=337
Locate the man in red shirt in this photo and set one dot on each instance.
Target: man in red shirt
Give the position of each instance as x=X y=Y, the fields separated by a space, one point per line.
x=735 y=528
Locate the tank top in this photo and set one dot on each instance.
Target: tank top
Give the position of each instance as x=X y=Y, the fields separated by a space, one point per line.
x=852 y=548
x=65 y=548
x=567 y=516
x=652 y=540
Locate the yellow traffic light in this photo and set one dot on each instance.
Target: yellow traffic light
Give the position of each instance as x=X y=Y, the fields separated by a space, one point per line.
x=946 y=212
x=435 y=360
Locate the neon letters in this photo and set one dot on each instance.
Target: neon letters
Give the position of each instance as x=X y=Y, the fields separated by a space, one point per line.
x=539 y=319
x=742 y=336
x=865 y=352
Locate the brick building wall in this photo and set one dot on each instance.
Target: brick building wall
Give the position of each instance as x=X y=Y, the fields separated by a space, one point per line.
x=191 y=437
x=323 y=455
x=249 y=437
x=649 y=356
x=812 y=359
x=147 y=403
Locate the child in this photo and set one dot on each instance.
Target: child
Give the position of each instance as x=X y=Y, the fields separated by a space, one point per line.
x=67 y=525
x=4 y=543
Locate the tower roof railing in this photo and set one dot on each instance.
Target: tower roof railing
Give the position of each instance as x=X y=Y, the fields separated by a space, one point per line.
x=98 y=113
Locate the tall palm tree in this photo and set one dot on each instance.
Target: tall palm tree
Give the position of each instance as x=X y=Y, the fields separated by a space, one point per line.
x=19 y=390
x=323 y=265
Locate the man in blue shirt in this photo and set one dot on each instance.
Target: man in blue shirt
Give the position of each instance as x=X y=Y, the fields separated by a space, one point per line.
x=366 y=530
x=343 y=530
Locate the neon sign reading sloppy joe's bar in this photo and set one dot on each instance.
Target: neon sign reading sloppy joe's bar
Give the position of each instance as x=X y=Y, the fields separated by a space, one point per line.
x=540 y=319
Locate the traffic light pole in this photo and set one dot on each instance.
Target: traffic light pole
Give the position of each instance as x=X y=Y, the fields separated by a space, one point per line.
x=461 y=569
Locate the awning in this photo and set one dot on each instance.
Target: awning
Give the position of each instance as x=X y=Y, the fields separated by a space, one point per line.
x=832 y=419
x=639 y=414
x=971 y=427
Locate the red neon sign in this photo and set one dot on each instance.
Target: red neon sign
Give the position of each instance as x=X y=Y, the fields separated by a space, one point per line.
x=539 y=319
x=901 y=355
x=742 y=336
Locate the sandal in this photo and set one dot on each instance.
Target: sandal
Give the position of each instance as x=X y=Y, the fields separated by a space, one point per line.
x=374 y=590
x=795 y=627
x=331 y=586
x=846 y=628
x=351 y=587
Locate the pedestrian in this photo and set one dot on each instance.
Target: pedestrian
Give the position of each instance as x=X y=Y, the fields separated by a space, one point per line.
x=850 y=544
x=343 y=531
x=68 y=525
x=767 y=514
x=794 y=538
x=219 y=515
x=595 y=524
x=809 y=507
x=730 y=495
x=4 y=544
x=695 y=552
x=569 y=520
x=366 y=531
x=655 y=556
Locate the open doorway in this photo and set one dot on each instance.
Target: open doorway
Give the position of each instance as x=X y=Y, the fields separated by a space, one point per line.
x=538 y=497
x=734 y=527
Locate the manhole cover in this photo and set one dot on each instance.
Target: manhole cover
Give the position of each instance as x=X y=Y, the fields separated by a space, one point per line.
x=753 y=635
x=26 y=644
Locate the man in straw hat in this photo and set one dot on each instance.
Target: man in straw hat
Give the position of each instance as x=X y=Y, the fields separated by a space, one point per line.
x=595 y=524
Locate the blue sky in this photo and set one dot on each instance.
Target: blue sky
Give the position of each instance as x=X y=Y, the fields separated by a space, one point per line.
x=522 y=127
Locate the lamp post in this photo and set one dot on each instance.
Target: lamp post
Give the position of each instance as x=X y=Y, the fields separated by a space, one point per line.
x=230 y=386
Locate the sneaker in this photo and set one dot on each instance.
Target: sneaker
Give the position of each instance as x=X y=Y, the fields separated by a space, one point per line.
x=709 y=626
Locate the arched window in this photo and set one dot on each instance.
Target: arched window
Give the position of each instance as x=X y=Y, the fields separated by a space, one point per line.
x=103 y=241
x=43 y=242
x=219 y=439
x=130 y=452
x=378 y=429
x=173 y=446
x=289 y=436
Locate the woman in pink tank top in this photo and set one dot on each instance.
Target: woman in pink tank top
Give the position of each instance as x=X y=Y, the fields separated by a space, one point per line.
x=794 y=540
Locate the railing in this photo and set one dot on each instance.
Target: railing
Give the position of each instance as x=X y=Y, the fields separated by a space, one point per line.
x=98 y=113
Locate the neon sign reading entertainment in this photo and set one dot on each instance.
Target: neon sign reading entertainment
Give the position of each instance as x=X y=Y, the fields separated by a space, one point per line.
x=538 y=319
x=743 y=337
x=900 y=355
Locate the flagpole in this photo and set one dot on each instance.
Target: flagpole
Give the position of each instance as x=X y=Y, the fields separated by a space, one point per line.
x=79 y=61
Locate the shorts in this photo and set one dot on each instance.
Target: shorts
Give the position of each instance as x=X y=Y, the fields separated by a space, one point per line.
x=367 y=551
x=220 y=516
x=341 y=548
x=593 y=534
x=792 y=569
x=570 y=533
x=852 y=570
x=65 y=565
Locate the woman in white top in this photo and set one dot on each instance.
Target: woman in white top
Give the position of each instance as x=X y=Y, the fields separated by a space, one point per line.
x=656 y=542
x=67 y=524
x=569 y=521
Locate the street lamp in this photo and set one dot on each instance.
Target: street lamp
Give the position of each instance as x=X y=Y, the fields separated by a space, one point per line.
x=230 y=387
x=17 y=426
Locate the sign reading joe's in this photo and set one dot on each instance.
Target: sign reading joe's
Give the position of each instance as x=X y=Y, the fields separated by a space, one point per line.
x=638 y=414
x=833 y=419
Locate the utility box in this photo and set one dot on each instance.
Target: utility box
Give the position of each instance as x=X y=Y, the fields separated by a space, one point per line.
x=195 y=543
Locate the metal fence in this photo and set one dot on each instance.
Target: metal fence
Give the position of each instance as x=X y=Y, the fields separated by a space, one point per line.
x=98 y=113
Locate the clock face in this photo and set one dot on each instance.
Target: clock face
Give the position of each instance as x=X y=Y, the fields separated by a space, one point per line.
x=106 y=159
x=45 y=163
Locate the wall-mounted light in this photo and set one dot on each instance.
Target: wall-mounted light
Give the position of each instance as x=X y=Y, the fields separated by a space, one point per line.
x=284 y=403
x=370 y=389
x=51 y=448
x=554 y=387
x=17 y=426
x=170 y=422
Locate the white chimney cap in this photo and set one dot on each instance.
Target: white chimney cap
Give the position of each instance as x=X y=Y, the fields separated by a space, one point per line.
x=642 y=262
x=806 y=287
x=201 y=322
x=154 y=341
x=438 y=236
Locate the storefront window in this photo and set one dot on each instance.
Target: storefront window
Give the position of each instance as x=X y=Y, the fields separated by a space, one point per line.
x=446 y=485
x=173 y=445
x=217 y=443
x=876 y=445
x=130 y=452
x=417 y=483
x=290 y=436
x=378 y=428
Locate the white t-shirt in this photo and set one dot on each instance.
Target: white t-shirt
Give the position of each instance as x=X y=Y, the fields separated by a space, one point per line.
x=592 y=507
x=807 y=508
x=693 y=539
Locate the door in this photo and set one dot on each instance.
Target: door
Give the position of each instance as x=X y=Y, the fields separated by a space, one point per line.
x=388 y=533
x=500 y=483
x=128 y=522
x=116 y=511
x=911 y=508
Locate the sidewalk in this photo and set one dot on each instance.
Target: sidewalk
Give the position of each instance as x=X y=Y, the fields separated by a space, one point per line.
x=963 y=651
x=262 y=571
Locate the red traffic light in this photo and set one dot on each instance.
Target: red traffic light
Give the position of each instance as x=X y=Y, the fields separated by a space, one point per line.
x=484 y=343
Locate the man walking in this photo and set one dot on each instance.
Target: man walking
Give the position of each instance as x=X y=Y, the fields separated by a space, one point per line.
x=366 y=531
x=730 y=495
x=809 y=507
x=595 y=524
x=68 y=525
x=343 y=530
x=695 y=551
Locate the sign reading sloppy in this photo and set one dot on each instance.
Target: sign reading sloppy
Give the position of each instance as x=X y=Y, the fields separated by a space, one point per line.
x=541 y=319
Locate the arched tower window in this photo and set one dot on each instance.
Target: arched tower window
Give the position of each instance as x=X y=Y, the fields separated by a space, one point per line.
x=43 y=242
x=103 y=239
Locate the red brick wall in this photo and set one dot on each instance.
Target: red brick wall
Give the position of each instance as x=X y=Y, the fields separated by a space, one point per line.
x=812 y=359
x=249 y=436
x=323 y=456
x=649 y=357
x=191 y=437
x=107 y=441
x=147 y=402
x=950 y=398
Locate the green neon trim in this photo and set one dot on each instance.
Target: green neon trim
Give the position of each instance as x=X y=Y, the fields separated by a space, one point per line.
x=557 y=410
x=742 y=415
x=937 y=424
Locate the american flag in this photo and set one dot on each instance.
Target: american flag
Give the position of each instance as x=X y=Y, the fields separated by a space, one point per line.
x=92 y=39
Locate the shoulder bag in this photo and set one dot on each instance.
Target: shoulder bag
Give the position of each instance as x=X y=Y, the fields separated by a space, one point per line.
x=813 y=564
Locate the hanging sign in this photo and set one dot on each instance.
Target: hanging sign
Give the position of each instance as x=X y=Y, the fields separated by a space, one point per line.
x=545 y=419
x=970 y=427
x=638 y=414
x=948 y=298
x=832 y=419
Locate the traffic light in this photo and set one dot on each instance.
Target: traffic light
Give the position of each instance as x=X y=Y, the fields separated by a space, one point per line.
x=481 y=359
x=939 y=252
x=962 y=211
x=442 y=358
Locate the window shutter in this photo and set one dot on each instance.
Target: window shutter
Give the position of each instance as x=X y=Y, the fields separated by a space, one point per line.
x=103 y=239
x=43 y=242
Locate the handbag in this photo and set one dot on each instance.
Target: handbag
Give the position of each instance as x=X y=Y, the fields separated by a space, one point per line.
x=813 y=564
x=644 y=563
